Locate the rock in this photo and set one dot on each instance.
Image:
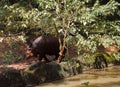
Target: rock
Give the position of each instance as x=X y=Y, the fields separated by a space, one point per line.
x=40 y=72
x=11 y=78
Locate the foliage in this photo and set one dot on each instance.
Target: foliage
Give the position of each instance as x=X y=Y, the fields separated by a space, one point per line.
x=12 y=50
x=89 y=59
x=11 y=57
x=116 y=56
x=90 y=22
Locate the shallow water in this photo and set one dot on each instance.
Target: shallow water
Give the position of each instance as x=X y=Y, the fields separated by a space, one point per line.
x=92 y=78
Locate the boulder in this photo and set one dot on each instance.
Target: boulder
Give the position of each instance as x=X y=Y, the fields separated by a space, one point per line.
x=40 y=72
x=11 y=78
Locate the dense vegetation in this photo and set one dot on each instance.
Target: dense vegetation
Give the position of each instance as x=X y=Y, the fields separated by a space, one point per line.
x=86 y=23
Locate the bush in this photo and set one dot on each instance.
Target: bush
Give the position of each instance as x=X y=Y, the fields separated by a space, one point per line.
x=11 y=57
x=12 y=50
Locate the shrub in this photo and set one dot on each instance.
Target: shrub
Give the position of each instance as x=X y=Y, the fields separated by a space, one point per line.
x=10 y=57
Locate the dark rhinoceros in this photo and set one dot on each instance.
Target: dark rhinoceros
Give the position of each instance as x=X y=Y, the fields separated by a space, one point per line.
x=43 y=47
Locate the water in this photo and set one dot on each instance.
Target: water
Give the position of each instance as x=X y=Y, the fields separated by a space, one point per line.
x=92 y=78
